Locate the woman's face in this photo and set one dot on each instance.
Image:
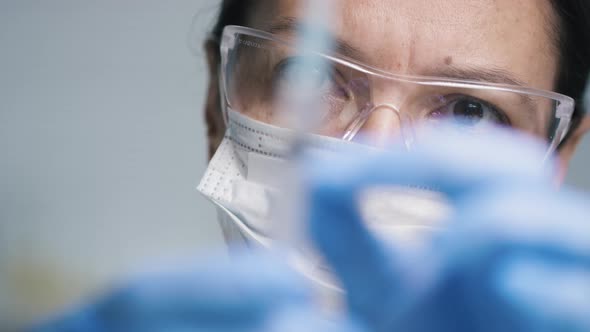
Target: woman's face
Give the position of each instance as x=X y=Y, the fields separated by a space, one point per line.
x=502 y=41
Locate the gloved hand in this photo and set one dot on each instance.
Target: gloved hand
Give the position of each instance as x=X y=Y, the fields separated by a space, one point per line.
x=516 y=256
x=255 y=292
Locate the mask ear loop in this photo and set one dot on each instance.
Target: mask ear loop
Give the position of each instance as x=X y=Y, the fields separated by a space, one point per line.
x=406 y=130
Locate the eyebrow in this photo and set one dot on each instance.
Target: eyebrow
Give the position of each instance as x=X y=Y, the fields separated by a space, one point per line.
x=481 y=74
x=484 y=75
x=291 y=25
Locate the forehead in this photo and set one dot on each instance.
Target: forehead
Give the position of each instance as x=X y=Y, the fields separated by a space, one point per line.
x=426 y=36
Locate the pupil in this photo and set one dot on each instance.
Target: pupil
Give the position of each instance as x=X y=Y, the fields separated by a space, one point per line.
x=468 y=112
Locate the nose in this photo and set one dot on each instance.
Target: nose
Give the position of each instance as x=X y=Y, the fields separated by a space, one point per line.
x=383 y=125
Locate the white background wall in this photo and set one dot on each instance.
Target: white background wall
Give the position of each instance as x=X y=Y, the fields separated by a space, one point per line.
x=102 y=145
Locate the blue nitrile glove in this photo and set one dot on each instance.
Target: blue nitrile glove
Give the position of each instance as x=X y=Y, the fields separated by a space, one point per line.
x=516 y=256
x=254 y=292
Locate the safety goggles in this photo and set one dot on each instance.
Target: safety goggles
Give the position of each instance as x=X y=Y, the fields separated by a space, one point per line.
x=261 y=76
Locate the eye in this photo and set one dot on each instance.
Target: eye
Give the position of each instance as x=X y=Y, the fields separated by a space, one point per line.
x=469 y=112
x=304 y=85
x=301 y=72
x=311 y=75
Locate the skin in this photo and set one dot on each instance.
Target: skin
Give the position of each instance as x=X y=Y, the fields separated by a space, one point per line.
x=426 y=37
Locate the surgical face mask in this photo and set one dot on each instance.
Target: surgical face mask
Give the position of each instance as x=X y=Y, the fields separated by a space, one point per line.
x=244 y=180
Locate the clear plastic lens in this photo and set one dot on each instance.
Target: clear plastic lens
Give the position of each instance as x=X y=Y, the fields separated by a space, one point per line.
x=262 y=74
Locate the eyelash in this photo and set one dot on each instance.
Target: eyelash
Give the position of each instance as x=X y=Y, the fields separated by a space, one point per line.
x=501 y=115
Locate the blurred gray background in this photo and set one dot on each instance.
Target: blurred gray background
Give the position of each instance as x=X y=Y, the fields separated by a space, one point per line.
x=102 y=144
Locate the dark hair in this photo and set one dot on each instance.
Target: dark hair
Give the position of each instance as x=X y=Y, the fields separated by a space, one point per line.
x=233 y=12
x=573 y=43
